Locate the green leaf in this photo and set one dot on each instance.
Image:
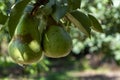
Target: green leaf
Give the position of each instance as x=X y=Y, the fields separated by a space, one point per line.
x=42 y=25
x=111 y=2
x=74 y=4
x=15 y=15
x=3 y=18
x=47 y=9
x=80 y=20
x=51 y=3
x=95 y=24
x=59 y=9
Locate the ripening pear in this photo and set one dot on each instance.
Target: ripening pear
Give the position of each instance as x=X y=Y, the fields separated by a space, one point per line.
x=56 y=42
x=25 y=48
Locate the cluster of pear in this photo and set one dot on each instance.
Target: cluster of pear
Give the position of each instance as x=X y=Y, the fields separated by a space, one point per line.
x=27 y=46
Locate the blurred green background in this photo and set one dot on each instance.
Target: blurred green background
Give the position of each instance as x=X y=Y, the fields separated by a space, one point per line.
x=92 y=58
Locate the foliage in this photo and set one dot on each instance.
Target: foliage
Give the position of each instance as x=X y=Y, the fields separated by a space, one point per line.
x=57 y=9
x=101 y=43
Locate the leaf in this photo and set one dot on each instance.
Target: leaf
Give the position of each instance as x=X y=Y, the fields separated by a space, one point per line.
x=47 y=9
x=95 y=24
x=51 y=3
x=74 y=4
x=15 y=15
x=59 y=9
x=81 y=21
x=111 y=2
x=42 y=25
x=3 y=18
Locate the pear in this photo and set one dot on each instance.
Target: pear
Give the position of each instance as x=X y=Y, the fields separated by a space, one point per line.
x=56 y=42
x=25 y=48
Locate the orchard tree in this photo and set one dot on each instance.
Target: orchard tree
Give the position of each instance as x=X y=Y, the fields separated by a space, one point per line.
x=40 y=28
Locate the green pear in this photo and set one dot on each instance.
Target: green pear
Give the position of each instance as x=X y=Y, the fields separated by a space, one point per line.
x=25 y=48
x=56 y=42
